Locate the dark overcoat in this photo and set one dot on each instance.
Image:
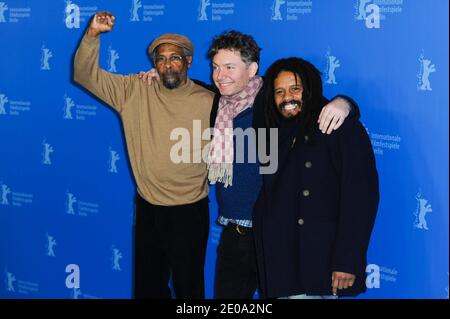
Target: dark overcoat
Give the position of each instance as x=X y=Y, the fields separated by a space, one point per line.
x=316 y=213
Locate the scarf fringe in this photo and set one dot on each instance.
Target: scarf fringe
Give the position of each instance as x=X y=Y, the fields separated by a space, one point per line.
x=221 y=172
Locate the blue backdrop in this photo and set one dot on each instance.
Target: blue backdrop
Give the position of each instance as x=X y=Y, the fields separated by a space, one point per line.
x=66 y=191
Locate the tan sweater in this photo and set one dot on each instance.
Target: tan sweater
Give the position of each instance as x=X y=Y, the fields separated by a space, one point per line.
x=149 y=114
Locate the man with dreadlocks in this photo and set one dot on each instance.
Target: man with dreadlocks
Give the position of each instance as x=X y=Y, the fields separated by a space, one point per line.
x=313 y=218
x=235 y=60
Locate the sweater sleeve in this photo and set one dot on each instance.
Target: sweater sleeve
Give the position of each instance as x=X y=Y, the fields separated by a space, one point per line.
x=111 y=88
x=359 y=198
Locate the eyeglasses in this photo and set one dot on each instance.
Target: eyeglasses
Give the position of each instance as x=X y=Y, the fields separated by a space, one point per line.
x=175 y=58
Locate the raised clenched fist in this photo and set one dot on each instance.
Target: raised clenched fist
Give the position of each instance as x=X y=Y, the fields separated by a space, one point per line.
x=102 y=22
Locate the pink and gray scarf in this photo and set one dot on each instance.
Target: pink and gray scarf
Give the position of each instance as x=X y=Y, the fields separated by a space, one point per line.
x=221 y=152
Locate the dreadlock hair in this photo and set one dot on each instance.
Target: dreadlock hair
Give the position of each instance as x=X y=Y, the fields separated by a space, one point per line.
x=312 y=99
x=238 y=41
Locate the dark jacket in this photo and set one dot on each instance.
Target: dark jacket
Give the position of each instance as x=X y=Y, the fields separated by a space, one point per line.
x=316 y=213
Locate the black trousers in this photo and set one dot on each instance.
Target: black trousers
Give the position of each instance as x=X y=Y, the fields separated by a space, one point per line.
x=236 y=269
x=170 y=241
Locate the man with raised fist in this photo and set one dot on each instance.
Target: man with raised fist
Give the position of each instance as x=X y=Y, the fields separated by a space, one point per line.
x=171 y=214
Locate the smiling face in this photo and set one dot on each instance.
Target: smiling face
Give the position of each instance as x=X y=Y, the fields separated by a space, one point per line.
x=230 y=74
x=172 y=65
x=288 y=91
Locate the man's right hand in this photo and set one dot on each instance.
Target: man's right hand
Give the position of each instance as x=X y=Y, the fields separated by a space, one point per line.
x=102 y=22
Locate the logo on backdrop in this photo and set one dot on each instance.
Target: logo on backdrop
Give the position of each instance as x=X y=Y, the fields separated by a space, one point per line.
x=332 y=64
x=51 y=243
x=422 y=209
x=71 y=200
x=202 y=10
x=113 y=158
x=76 y=293
x=3 y=8
x=81 y=111
x=292 y=11
x=116 y=256
x=5 y=192
x=3 y=101
x=375 y=274
x=149 y=12
x=15 y=107
x=276 y=13
x=68 y=105
x=218 y=10
x=47 y=150
x=426 y=68
x=74 y=206
x=45 y=56
x=10 y=281
x=15 y=14
x=369 y=12
x=361 y=9
x=8 y=197
x=12 y=284
x=113 y=57
x=136 y=5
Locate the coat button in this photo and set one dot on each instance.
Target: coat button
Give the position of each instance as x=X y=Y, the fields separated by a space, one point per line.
x=301 y=221
x=308 y=164
x=306 y=193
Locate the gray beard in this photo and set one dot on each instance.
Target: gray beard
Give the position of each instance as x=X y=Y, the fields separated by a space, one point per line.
x=171 y=80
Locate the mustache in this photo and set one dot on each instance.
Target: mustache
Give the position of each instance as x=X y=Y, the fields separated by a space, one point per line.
x=297 y=103
x=170 y=73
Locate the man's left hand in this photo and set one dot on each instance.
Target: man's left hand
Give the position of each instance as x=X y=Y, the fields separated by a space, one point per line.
x=333 y=115
x=341 y=280
x=149 y=76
